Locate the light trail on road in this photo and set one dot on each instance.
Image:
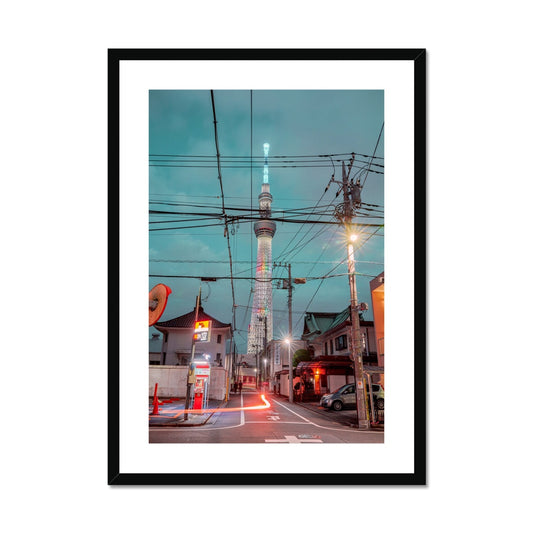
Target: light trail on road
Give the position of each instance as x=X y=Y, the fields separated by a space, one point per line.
x=264 y=405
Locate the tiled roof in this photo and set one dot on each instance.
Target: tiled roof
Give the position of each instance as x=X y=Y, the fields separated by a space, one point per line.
x=316 y=323
x=187 y=321
x=319 y=323
x=340 y=318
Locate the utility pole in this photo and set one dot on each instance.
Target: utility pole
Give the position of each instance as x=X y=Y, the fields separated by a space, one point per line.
x=291 y=399
x=193 y=345
x=261 y=373
x=297 y=281
x=257 y=366
x=344 y=212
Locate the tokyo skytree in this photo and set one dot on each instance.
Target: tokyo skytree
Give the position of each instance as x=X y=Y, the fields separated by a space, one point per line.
x=262 y=305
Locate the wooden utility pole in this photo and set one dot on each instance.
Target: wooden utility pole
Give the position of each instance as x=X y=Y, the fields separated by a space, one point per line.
x=344 y=213
x=291 y=399
x=193 y=345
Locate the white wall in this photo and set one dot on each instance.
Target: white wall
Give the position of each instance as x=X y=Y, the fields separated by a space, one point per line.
x=172 y=381
x=284 y=385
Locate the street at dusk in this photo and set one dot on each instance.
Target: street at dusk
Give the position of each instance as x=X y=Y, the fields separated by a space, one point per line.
x=247 y=418
x=266 y=251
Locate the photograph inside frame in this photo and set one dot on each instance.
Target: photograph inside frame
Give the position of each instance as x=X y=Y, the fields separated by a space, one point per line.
x=266 y=276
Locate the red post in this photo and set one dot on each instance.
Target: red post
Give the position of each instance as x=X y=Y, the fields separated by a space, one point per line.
x=155 y=411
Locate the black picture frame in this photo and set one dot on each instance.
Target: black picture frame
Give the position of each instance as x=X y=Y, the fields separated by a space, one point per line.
x=116 y=57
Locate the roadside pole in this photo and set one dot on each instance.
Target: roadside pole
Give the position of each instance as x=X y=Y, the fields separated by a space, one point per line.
x=291 y=399
x=188 y=394
x=264 y=352
x=344 y=212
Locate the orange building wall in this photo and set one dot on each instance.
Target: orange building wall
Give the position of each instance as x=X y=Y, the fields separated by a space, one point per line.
x=377 y=290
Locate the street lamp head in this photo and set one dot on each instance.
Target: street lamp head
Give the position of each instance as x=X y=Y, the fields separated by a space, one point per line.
x=287 y=341
x=353 y=237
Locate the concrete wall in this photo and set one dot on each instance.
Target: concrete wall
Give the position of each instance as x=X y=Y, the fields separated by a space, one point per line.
x=172 y=382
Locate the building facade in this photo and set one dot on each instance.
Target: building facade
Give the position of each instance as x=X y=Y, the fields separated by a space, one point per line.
x=177 y=340
x=377 y=291
x=328 y=337
x=276 y=362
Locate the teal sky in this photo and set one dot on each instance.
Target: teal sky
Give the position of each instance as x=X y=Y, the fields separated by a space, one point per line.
x=294 y=123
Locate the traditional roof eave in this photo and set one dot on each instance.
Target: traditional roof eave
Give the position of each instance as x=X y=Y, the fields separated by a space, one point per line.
x=187 y=321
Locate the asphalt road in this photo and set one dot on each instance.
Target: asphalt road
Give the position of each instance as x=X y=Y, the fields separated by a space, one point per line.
x=248 y=419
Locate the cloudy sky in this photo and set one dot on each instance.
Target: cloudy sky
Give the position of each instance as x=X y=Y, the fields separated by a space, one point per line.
x=310 y=133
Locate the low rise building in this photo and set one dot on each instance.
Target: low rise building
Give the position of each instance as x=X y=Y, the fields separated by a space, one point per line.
x=171 y=371
x=177 y=339
x=331 y=366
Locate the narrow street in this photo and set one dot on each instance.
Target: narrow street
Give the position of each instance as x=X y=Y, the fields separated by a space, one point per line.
x=246 y=418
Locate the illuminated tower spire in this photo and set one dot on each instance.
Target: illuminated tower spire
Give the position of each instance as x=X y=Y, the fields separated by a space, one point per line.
x=262 y=305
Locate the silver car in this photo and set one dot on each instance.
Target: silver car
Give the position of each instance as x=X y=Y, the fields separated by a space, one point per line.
x=345 y=396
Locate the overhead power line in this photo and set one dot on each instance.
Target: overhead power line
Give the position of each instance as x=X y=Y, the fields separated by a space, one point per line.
x=246 y=166
x=226 y=231
x=260 y=157
x=215 y=278
x=245 y=262
x=231 y=218
x=299 y=199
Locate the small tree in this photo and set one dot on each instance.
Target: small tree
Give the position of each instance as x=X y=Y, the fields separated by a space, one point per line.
x=299 y=356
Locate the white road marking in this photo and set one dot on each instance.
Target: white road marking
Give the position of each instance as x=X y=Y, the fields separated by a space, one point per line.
x=274 y=422
x=319 y=426
x=292 y=439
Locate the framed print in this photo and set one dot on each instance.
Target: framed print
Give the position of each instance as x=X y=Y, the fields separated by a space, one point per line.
x=257 y=200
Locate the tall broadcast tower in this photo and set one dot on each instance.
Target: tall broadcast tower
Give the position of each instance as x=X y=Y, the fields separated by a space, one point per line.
x=262 y=304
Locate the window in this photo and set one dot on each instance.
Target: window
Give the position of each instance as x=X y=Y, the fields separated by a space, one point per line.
x=219 y=360
x=341 y=343
x=331 y=346
x=219 y=339
x=326 y=348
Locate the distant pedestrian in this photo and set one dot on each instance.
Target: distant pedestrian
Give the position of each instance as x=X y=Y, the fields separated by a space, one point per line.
x=298 y=391
x=240 y=386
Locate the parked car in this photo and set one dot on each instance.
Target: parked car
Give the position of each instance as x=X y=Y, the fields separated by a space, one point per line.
x=378 y=395
x=345 y=396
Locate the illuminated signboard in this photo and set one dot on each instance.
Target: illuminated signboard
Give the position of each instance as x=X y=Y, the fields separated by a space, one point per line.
x=202 y=370
x=202 y=331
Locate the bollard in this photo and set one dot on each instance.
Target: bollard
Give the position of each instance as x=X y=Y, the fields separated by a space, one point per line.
x=155 y=411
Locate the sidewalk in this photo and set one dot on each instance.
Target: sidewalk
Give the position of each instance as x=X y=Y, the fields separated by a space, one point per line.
x=171 y=413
